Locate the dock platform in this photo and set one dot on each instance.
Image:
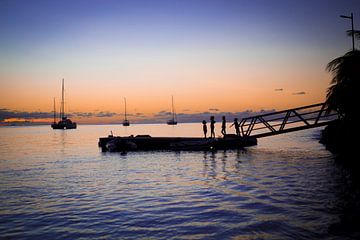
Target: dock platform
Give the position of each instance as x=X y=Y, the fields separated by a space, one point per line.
x=146 y=143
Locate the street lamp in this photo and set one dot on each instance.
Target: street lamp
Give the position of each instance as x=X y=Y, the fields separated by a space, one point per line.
x=352 y=28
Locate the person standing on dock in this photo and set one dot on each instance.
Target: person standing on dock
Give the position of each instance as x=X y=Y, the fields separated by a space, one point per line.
x=212 y=126
x=223 y=126
x=204 y=128
x=237 y=126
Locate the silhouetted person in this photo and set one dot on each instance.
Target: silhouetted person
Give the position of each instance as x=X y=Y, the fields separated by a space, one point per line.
x=212 y=127
x=223 y=126
x=204 y=128
x=237 y=126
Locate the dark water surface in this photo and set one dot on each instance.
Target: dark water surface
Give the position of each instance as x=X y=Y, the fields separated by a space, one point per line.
x=57 y=184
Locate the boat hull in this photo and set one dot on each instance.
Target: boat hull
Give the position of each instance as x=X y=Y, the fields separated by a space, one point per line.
x=171 y=122
x=126 y=123
x=64 y=125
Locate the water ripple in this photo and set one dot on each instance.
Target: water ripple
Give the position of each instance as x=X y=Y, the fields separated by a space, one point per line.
x=265 y=192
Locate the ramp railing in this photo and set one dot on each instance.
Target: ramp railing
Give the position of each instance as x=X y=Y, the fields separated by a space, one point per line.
x=290 y=120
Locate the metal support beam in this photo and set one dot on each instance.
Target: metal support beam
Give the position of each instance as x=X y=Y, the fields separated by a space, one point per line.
x=299 y=116
x=284 y=121
x=290 y=120
x=267 y=124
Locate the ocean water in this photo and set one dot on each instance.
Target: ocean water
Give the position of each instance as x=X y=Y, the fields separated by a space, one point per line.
x=57 y=184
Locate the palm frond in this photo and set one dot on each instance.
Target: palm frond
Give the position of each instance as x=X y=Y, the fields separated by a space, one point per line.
x=356 y=33
x=344 y=87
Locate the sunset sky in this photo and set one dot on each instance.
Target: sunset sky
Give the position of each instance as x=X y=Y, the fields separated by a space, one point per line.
x=221 y=56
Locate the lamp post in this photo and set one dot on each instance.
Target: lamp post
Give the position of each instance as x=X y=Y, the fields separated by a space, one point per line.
x=352 y=28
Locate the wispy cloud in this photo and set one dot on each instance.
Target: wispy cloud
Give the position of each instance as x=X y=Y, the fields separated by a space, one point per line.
x=105 y=114
x=139 y=114
x=162 y=113
x=83 y=114
x=8 y=114
x=92 y=114
x=278 y=89
x=214 y=109
x=299 y=93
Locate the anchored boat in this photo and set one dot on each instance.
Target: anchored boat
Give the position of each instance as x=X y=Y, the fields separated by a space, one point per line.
x=126 y=122
x=146 y=142
x=64 y=122
x=173 y=120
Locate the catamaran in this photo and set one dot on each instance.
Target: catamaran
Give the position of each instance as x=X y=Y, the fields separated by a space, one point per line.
x=126 y=122
x=64 y=122
x=173 y=120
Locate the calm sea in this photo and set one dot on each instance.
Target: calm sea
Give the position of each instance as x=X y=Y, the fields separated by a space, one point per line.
x=57 y=184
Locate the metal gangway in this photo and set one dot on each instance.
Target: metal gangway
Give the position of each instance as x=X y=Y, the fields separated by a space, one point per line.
x=285 y=121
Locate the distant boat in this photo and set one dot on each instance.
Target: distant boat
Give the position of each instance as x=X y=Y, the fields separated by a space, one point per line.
x=126 y=122
x=173 y=120
x=64 y=122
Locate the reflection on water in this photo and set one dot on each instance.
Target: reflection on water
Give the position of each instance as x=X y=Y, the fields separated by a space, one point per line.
x=58 y=183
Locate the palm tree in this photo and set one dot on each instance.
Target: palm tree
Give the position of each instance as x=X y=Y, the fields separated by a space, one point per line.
x=342 y=96
x=344 y=91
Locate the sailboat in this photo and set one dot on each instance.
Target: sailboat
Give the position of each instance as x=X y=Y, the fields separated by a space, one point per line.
x=173 y=120
x=126 y=122
x=64 y=122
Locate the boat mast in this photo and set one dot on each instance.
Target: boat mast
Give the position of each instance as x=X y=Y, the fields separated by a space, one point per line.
x=54 y=112
x=125 y=109
x=62 y=113
x=172 y=105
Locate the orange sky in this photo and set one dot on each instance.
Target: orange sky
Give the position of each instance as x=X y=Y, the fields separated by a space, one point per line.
x=230 y=89
x=207 y=56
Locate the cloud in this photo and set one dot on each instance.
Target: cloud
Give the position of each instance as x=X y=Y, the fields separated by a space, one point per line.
x=213 y=109
x=92 y=114
x=105 y=114
x=299 y=93
x=162 y=113
x=82 y=114
x=7 y=113
x=278 y=89
x=139 y=114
